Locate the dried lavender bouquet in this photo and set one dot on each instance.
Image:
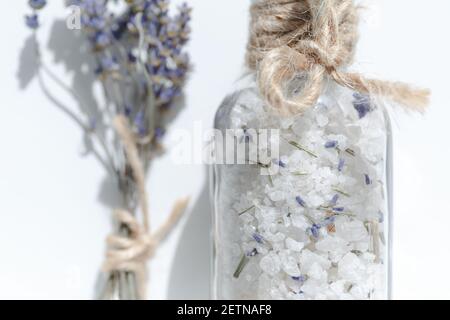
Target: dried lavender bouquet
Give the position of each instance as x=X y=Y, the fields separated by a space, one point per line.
x=142 y=67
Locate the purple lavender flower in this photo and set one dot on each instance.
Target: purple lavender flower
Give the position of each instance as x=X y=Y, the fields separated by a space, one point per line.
x=101 y=40
x=92 y=7
x=258 y=238
x=281 y=164
x=328 y=221
x=131 y=57
x=315 y=229
x=334 y=200
x=96 y=23
x=139 y=122
x=32 y=21
x=300 y=201
x=119 y=28
x=159 y=133
x=331 y=144
x=168 y=64
x=341 y=164
x=152 y=29
x=127 y=110
x=168 y=94
x=108 y=64
x=367 y=179
x=362 y=104
x=339 y=209
x=37 y=4
x=300 y=278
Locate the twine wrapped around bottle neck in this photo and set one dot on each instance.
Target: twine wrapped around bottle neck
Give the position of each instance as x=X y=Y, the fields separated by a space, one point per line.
x=313 y=40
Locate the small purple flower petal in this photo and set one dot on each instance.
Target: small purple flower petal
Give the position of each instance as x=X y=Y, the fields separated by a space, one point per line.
x=32 y=21
x=252 y=253
x=37 y=4
x=362 y=104
x=281 y=164
x=131 y=57
x=101 y=39
x=139 y=122
x=300 y=278
x=300 y=201
x=128 y=110
x=315 y=229
x=341 y=164
x=159 y=133
x=108 y=64
x=331 y=144
x=367 y=179
x=334 y=200
x=328 y=221
x=339 y=209
x=258 y=238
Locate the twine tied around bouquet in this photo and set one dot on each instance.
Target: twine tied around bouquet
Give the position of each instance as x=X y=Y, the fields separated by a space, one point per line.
x=314 y=40
x=131 y=253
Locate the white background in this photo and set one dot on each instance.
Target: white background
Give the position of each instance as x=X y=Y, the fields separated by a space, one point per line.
x=55 y=203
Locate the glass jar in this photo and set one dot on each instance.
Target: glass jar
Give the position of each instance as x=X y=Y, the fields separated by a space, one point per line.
x=304 y=212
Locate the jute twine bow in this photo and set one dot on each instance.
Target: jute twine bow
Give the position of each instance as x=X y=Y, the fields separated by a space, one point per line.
x=131 y=253
x=314 y=40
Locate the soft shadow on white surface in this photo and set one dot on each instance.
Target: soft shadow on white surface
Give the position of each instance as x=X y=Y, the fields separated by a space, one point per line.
x=27 y=64
x=191 y=268
x=66 y=50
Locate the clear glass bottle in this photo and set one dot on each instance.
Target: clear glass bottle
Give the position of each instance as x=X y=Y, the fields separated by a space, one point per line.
x=313 y=221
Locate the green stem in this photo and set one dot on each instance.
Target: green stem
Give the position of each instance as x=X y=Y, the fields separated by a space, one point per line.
x=246 y=210
x=241 y=266
x=301 y=148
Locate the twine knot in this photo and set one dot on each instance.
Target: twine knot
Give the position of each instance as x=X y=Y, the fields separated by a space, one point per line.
x=129 y=253
x=312 y=41
x=132 y=251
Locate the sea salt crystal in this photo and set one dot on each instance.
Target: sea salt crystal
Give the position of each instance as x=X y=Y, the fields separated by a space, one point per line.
x=277 y=195
x=333 y=244
x=338 y=287
x=351 y=231
x=351 y=268
x=313 y=287
x=359 y=293
x=270 y=264
x=299 y=221
x=317 y=272
x=293 y=245
x=275 y=237
x=369 y=257
x=308 y=258
x=322 y=120
x=315 y=200
x=293 y=284
x=361 y=246
x=289 y=264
